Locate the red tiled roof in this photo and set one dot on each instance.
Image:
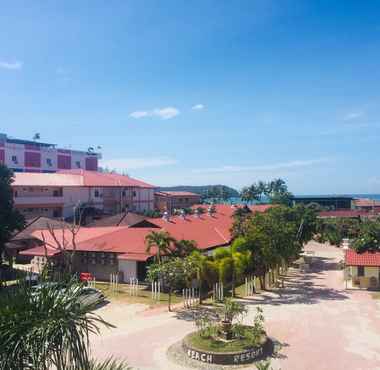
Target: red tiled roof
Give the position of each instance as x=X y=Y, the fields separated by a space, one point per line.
x=362 y=259
x=77 y=178
x=207 y=231
x=365 y=202
x=260 y=207
x=40 y=251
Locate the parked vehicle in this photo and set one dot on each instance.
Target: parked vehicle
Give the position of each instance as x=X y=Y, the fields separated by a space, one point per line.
x=91 y=296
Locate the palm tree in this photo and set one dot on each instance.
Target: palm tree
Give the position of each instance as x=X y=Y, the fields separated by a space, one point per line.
x=184 y=247
x=199 y=260
x=250 y=193
x=161 y=240
x=233 y=261
x=47 y=328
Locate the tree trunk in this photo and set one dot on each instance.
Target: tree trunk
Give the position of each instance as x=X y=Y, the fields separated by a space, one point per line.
x=262 y=282
x=233 y=284
x=170 y=299
x=200 y=290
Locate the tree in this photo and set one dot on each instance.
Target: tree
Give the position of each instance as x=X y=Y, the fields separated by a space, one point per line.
x=183 y=247
x=47 y=328
x=368 y=238
x=10 y=218
x=277 y=236
x=250 y=193
x=278 y=193
x=64 y=242
x=175 y=273
x=233 y=262
x=276 y=190
x=199 y=262
x=161 y=241
x=239 y=217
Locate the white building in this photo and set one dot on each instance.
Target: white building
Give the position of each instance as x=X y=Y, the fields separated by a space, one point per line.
x=32 y=156
x=57 y=194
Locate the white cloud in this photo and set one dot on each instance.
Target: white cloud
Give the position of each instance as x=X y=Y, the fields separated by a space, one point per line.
x=11 y=65
x=263 y=168
x=198 y=107
x=137 y=163
x=352 y=116
x=139 y=114
x=163 y=113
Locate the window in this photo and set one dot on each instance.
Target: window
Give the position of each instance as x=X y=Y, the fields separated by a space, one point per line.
x=57 y=192
x=124 y=193
x=134 y=193
x=360 y=270
x=96 y=193
x=77 y=163
x=15 y=194
x=49 y=162
x=14 y=159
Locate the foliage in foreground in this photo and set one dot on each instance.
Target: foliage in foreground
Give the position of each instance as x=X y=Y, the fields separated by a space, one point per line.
x=109 y=364
x=47 y=328
x=10 y=218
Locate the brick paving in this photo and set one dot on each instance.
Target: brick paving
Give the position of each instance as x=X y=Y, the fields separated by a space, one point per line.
x=318 y=324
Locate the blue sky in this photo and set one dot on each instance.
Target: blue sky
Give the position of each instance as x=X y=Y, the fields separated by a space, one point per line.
x=201 y=92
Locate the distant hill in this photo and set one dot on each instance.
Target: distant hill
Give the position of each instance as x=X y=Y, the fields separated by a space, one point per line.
x=210 y=191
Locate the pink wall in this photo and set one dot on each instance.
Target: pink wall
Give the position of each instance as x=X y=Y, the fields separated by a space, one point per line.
x=92 y=164
x=64 y=162
x=32 y=159
x=32 y=147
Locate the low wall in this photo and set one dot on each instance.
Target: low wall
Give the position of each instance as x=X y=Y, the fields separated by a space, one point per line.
x=228 y=358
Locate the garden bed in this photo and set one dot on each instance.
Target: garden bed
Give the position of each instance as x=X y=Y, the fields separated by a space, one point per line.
x=233 y=352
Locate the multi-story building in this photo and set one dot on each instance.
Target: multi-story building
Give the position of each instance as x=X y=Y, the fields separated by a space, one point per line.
x=32 y=156
x=58 y=194
x=170 y=200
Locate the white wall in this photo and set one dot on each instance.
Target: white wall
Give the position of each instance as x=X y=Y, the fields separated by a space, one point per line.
x=52 y=155
x=128 y=268
x=78 y=157
x=18 y=151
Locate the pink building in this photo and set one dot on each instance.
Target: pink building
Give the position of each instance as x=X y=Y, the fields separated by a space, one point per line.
x=31 y=156
x=57 y=194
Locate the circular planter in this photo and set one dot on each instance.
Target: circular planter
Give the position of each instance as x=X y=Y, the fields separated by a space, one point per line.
x=228 y=358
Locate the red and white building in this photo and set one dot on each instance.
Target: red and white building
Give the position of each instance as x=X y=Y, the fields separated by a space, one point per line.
x=57 y=194
x=362 y=269
x=122 y=249
x=31 y=156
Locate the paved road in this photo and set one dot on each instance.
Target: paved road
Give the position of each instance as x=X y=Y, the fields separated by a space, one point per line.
x=319 y=324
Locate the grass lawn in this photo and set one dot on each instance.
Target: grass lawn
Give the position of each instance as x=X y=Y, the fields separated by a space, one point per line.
x=215 y=345
x=143 y=295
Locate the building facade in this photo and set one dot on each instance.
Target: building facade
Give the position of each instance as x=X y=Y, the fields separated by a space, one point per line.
x=331 y=202
x=57 y=195
x=170 y=200
x=362 y=270
x=122 y=249
x=31 y=156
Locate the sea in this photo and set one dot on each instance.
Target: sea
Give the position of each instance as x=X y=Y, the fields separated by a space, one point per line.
x=237 y=200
